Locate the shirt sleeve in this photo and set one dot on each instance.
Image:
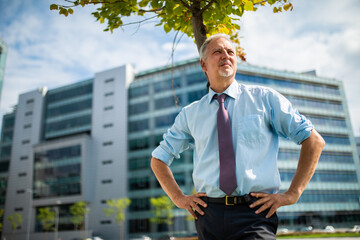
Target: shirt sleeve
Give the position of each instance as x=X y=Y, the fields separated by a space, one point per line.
x=175 y=140
x=286 y=120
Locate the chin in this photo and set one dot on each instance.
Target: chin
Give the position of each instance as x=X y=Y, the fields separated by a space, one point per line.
x=226 y=73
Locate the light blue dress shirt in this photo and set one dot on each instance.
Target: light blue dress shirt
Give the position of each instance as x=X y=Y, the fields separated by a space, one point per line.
x=259 y=115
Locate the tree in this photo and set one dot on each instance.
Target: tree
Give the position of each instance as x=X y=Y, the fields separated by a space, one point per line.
x=15 y=220
x=163 y=211
x=47 y=218
x=117 y=208
x=78 y=211
x=197 y=19
x=1 y=215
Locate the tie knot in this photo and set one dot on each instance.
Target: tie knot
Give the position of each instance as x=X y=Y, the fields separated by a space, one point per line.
x=220 y=98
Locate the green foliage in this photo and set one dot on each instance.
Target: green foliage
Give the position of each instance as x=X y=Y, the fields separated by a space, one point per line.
x=117 y=208
x=162 y=210
x=47 y=218
x=15 y=220
x=78 y=211
x=177 y=15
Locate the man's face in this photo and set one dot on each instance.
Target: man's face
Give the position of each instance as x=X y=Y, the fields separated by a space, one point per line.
x=220 y=60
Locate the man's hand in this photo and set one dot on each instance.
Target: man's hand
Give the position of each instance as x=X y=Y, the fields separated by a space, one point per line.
x=273 y=201
x=190 y=203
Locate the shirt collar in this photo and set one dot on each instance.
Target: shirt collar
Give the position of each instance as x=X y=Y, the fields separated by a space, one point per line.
x=232 y=91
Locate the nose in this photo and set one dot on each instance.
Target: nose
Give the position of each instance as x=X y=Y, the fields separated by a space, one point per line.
x=225 y=55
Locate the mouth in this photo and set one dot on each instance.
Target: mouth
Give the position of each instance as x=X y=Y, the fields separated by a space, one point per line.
x=225 y=64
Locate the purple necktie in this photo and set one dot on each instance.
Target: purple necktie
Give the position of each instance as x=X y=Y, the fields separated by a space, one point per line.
x=226 y=150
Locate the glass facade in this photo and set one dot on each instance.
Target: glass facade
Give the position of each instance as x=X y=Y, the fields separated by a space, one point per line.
x=7 y=131
x=153 y=108
x=64 y=218
x=68 y=110
x=57 y=172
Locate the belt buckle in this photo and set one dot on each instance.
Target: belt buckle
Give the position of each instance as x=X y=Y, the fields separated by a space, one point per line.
x=233 y=202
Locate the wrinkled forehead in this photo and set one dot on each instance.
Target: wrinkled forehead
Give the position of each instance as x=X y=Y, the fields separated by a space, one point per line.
x=219 y=43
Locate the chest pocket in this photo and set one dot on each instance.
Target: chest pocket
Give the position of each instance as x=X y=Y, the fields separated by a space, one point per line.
x=250 y=129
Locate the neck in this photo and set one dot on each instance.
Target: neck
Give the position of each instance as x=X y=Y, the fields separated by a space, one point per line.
x=220 y=86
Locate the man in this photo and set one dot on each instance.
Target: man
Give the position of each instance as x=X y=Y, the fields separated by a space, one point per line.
x=239 y=202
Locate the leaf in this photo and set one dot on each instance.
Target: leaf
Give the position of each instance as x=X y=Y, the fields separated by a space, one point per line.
x=54 y=7
x=102 y=20
x=249 y=6
x=71 y=11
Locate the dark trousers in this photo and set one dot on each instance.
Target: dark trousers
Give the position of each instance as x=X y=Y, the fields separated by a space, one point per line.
x=238 y=222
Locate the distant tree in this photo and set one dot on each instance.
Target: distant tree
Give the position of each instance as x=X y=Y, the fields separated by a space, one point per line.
x=78 y=211
x=163 y=211
x=117 y=208
x=1 y=218
x=47 y=218
x=15 y=220
x=197 y=18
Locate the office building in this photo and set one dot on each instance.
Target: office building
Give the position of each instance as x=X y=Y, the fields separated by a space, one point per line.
x=92 y=141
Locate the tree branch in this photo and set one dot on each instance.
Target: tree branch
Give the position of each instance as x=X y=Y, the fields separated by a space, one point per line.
x=207 y=6
x=185 y=5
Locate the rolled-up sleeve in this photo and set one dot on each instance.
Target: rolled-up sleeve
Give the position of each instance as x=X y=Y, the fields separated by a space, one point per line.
x=286 y=120
x=175 y=140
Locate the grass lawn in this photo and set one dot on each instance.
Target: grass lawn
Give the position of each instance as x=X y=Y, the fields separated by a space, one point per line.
x=317 y=235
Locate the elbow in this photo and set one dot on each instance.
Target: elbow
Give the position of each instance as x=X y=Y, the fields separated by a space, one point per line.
x=319 y=141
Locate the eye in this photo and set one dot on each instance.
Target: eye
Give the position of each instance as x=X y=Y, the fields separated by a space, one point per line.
x=231 y=52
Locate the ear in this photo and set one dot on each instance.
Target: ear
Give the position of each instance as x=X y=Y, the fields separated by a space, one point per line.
x=203 y=65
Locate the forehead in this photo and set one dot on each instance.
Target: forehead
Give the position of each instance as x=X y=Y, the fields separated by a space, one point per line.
x=220 y=43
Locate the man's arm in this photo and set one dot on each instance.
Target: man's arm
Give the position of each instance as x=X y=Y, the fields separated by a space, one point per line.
x=309 y=156
x=172 y=189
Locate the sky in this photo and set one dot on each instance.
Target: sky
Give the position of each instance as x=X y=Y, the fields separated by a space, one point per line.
x=46 y=49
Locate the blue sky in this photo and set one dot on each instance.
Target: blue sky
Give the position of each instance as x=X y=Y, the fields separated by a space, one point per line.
x=45 y=49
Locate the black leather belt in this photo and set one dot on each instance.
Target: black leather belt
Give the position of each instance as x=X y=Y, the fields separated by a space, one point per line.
x=230 y=200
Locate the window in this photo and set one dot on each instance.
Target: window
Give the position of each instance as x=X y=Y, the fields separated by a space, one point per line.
x=138 y=108
x=22 y=174
x=18 y=209
x=105 y=162
x=139 y=125
x=27 y=126
x=108 y=125
x=107 y=143
x=106 y=181
x=108 y=108
x=105 y=222
x=20 y=191
x=109 y=80
x=139 y=91
x=29 y=113
x=29 y=101
x=22 y=158
x=108 y=94
x=72 y=107
x=25 y=142
x=139 y=144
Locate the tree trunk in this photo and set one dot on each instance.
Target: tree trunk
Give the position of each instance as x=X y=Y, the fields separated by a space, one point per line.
x=198 y=25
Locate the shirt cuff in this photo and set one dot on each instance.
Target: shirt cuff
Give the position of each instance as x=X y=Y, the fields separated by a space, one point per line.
x=302 y=133
x=162 y=155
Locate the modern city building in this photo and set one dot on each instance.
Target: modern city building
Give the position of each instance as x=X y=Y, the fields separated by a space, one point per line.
x=3 y=53
x=92 y=141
